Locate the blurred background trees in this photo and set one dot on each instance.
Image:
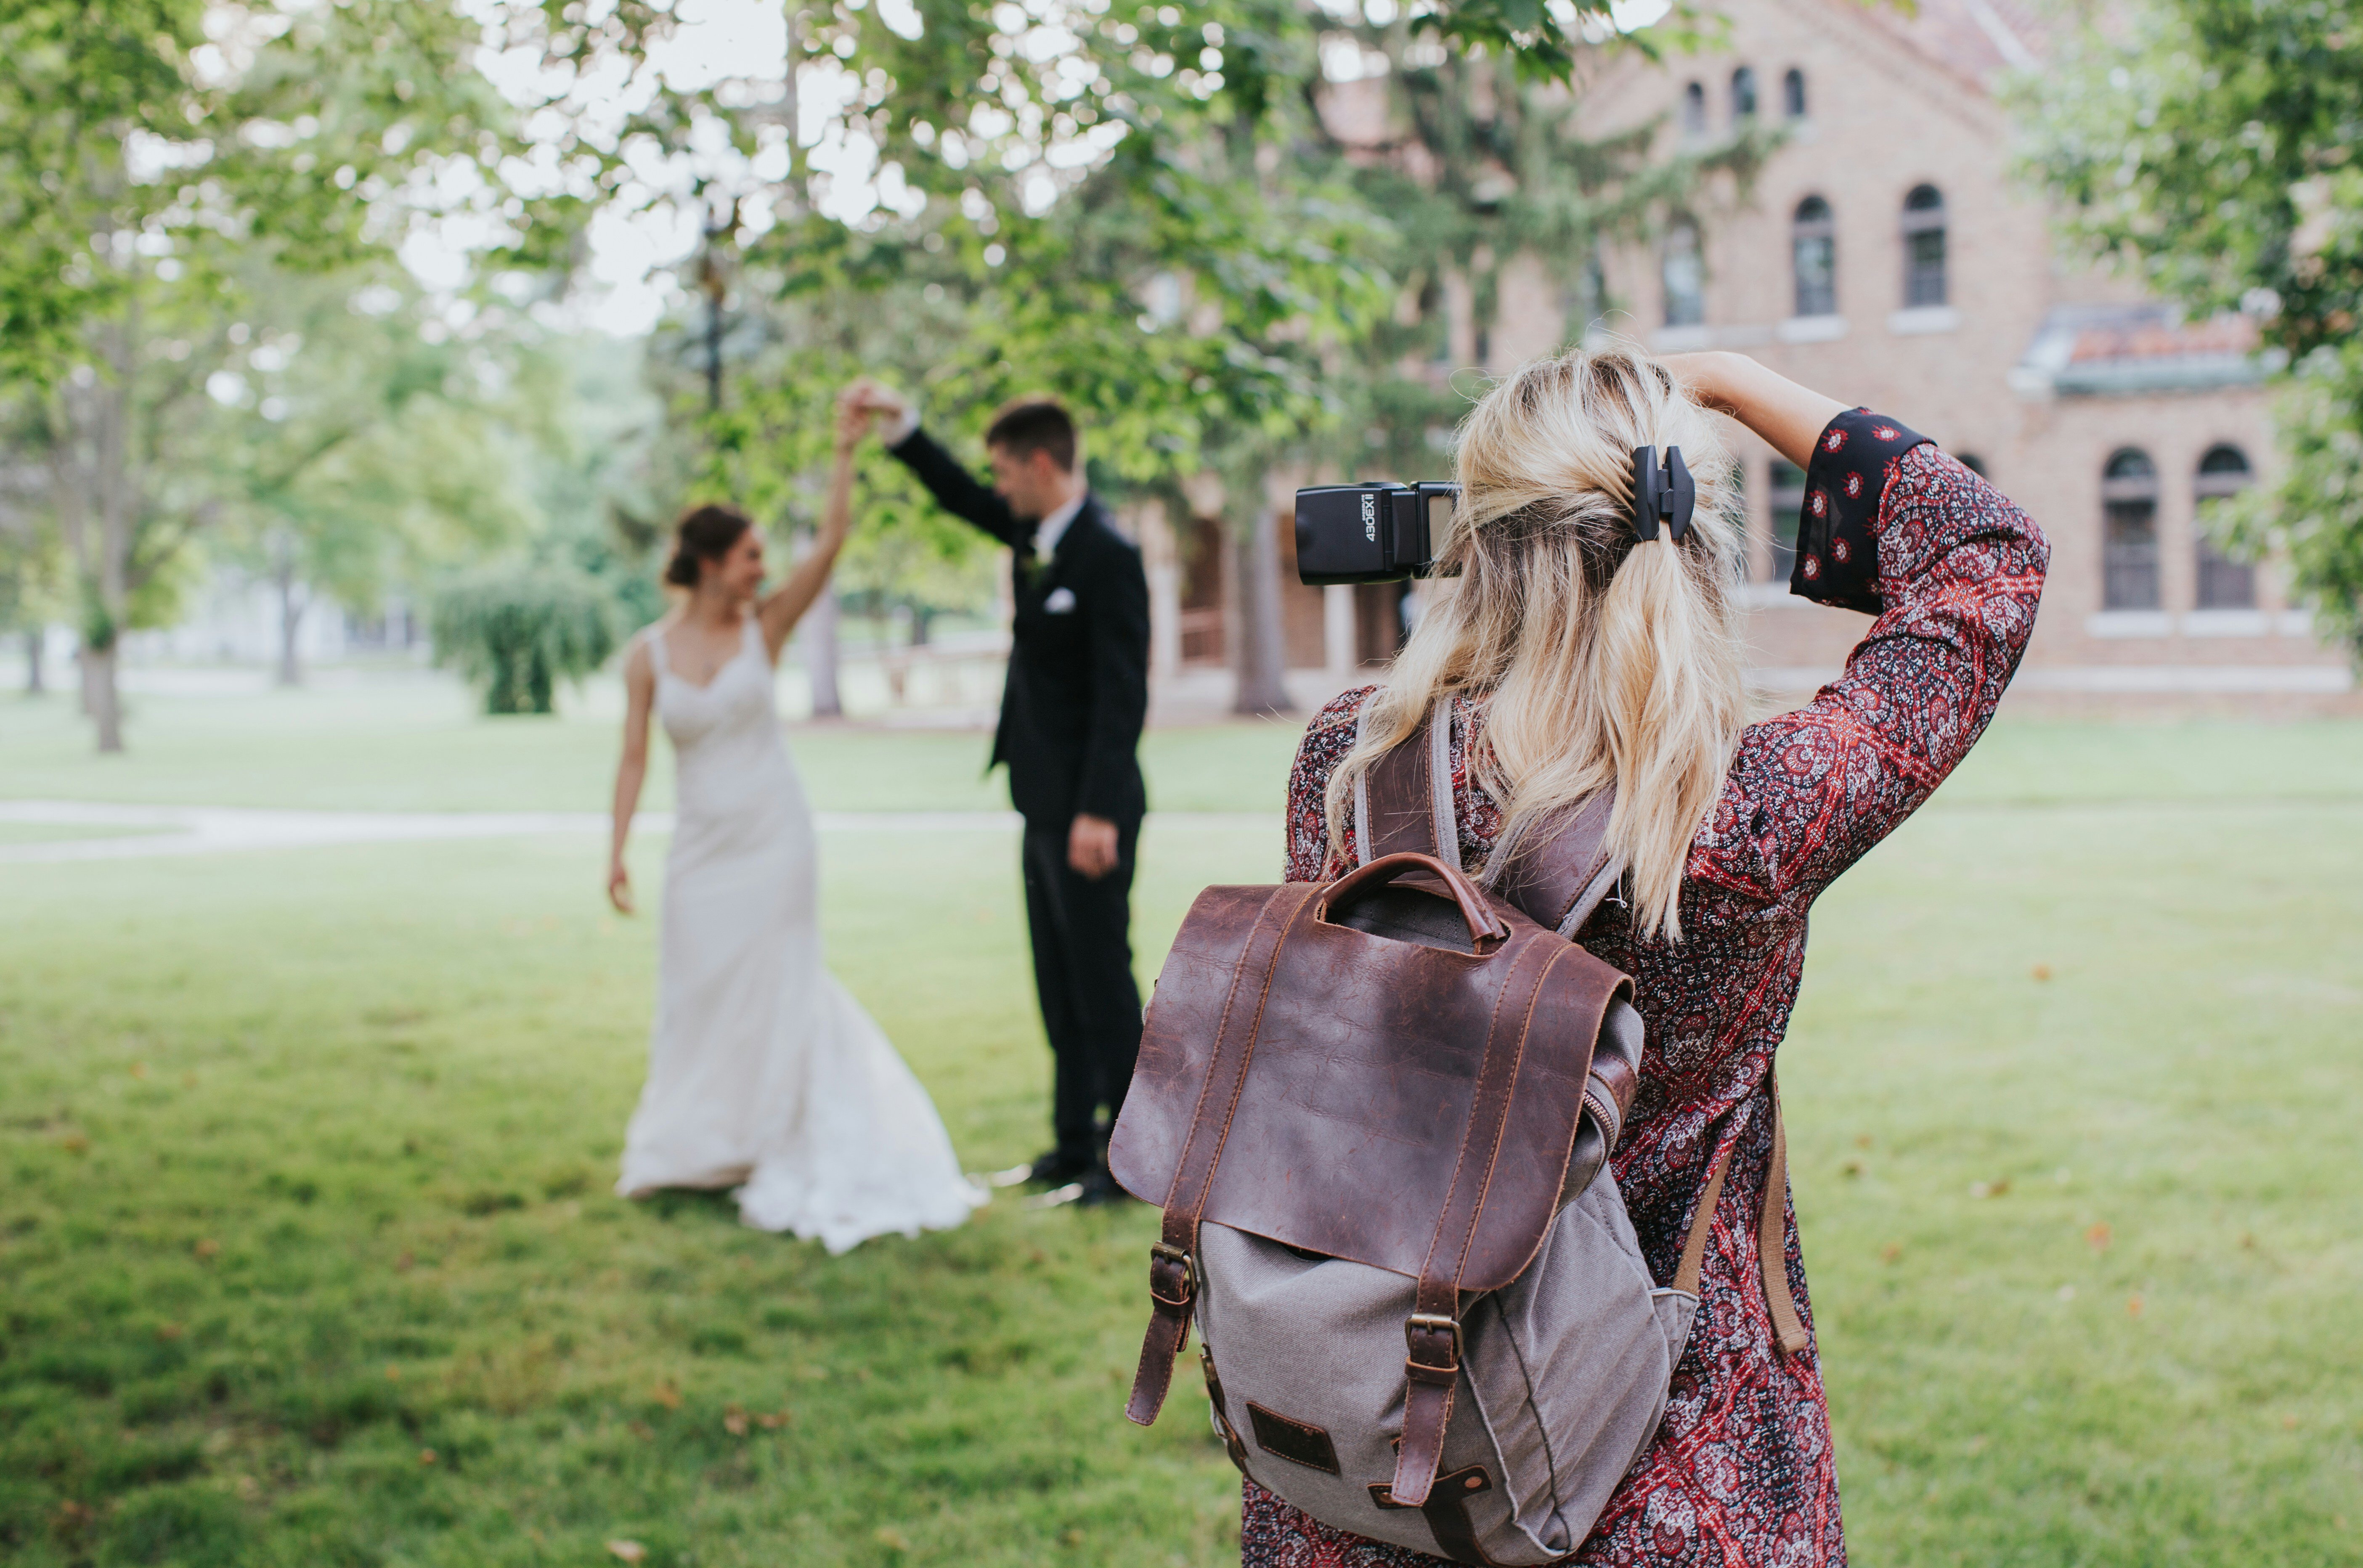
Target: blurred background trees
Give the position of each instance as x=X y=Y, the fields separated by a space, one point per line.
x=296 y=289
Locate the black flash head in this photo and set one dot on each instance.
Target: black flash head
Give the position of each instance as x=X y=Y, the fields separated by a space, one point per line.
x=1377 y=531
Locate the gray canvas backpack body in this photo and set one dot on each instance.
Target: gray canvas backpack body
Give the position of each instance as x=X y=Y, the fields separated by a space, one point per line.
x=1377 y=1115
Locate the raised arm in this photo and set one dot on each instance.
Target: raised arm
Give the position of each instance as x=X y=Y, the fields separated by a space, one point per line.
x=1952 y=571
x=955 y=489
x=779 y=610
x=632 y=770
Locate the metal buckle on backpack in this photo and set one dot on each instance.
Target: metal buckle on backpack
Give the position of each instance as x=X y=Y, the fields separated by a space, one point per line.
x=1164 y=1254
x=1420 y=1323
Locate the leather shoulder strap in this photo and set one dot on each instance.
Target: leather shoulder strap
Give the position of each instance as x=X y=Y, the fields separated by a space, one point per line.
x=1402 y=803
x=1560 y=866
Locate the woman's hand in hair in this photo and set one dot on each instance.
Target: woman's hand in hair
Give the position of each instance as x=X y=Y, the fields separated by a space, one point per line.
x=1789 y=417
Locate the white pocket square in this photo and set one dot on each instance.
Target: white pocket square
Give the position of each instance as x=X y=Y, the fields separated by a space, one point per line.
x=1060 y=603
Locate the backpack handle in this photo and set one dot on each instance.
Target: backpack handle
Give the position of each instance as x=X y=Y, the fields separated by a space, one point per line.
x=1484 y=925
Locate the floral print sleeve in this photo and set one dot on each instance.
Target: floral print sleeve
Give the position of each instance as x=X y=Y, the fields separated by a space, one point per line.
x=1955 y=572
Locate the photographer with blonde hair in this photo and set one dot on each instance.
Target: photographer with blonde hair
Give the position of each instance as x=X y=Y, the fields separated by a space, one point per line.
x=1580 y=648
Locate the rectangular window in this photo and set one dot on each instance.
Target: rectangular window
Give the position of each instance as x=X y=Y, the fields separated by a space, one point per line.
x=2129 y=556
x=2224 y=584
x=1923 y=274
x=1788 y=507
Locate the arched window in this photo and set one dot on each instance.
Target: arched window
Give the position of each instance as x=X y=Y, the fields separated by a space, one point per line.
x=1813 y=250
x=1694 y=110
x=2129 y=532
x=1924 y=248
x=1685 y=276
x=2223 y=583
x=1743 y=96
x=1792 y=93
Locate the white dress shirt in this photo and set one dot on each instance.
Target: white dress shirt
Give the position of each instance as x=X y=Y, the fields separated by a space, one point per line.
x=1051 y=529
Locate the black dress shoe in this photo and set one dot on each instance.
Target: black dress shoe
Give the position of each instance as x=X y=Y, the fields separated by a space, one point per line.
x=1100 y=1190
x=1053 y=1169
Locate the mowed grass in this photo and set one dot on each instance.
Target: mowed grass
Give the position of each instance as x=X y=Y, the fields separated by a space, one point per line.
x=308 y=1254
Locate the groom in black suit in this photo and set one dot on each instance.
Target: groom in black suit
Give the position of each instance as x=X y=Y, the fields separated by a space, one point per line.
x=1070 y=718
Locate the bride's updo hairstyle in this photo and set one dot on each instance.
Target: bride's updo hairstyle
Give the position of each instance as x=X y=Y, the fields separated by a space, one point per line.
x=703 y=534
x=1611 y=660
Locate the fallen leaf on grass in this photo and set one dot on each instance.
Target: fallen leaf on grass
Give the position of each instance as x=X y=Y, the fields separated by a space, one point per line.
x=169 y=1332
x=393 y=1372
x=775 y=1420
x=627 y=1550
x=668 y=1395
x=139 y=1069
x=207 y=1248
x=2133 y=1305
x=2042 y=971
x=72 y=1519
x=734 y=1422
x=643 y=1431
x=1890 y=1253
x=2290 y=1422
x=2098 y=1238
x=1990 y=1188
x=75 y=1143
x=892 y=1538
x=426 y=1456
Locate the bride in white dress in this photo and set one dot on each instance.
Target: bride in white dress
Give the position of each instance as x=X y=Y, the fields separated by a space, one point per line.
x=765 y=1074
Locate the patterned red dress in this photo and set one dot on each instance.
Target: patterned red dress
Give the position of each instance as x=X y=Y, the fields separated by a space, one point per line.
x=1741 y=1473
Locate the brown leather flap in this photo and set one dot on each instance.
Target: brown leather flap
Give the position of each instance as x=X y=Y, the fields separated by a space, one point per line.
x=1347 y=1137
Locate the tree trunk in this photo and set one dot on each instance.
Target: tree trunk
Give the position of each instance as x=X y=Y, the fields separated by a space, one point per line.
x=35 y=642
x=99 y=698
x=1262 y=660
x=820 y=655
x=291 y=621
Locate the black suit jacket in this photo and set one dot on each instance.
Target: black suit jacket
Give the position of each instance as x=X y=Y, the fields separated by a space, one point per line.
x=1078 y=688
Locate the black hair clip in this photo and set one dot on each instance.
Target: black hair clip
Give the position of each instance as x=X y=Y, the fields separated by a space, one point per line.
x=1670 y=494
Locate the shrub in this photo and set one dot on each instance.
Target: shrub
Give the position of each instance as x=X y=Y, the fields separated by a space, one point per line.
x=517 y=631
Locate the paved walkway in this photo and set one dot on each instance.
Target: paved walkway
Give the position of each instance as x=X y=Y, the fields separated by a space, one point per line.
x=142 y=832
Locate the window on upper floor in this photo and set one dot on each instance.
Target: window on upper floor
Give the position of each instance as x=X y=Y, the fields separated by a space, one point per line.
x=1924 y=248
x=1684 y=272
x=1743 y=96
x=2223 y=583
x=1694 y=110
x=1585 y=299
x=1792 y=93
x=2129 y=531
x=1814 y=252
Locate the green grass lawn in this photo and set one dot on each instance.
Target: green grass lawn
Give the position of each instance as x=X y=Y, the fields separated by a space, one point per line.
x=308 y=1257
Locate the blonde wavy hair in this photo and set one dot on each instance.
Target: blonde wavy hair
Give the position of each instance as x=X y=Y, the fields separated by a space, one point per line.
x=1608 y=660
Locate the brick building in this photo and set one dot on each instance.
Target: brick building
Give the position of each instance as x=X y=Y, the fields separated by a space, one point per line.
x=1886 y=254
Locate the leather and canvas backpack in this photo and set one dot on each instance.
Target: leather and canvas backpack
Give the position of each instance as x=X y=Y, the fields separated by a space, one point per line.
x=1377 y=1115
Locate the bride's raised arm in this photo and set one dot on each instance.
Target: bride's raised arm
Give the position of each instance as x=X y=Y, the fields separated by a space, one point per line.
x=779 y=610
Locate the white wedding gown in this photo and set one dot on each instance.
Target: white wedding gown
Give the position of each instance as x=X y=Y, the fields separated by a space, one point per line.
x=763 y=1072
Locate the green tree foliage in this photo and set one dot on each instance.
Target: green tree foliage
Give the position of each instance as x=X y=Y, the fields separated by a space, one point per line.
x=517 y=630
x=357 y=444
x=153 y=155
x=2210 y=147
